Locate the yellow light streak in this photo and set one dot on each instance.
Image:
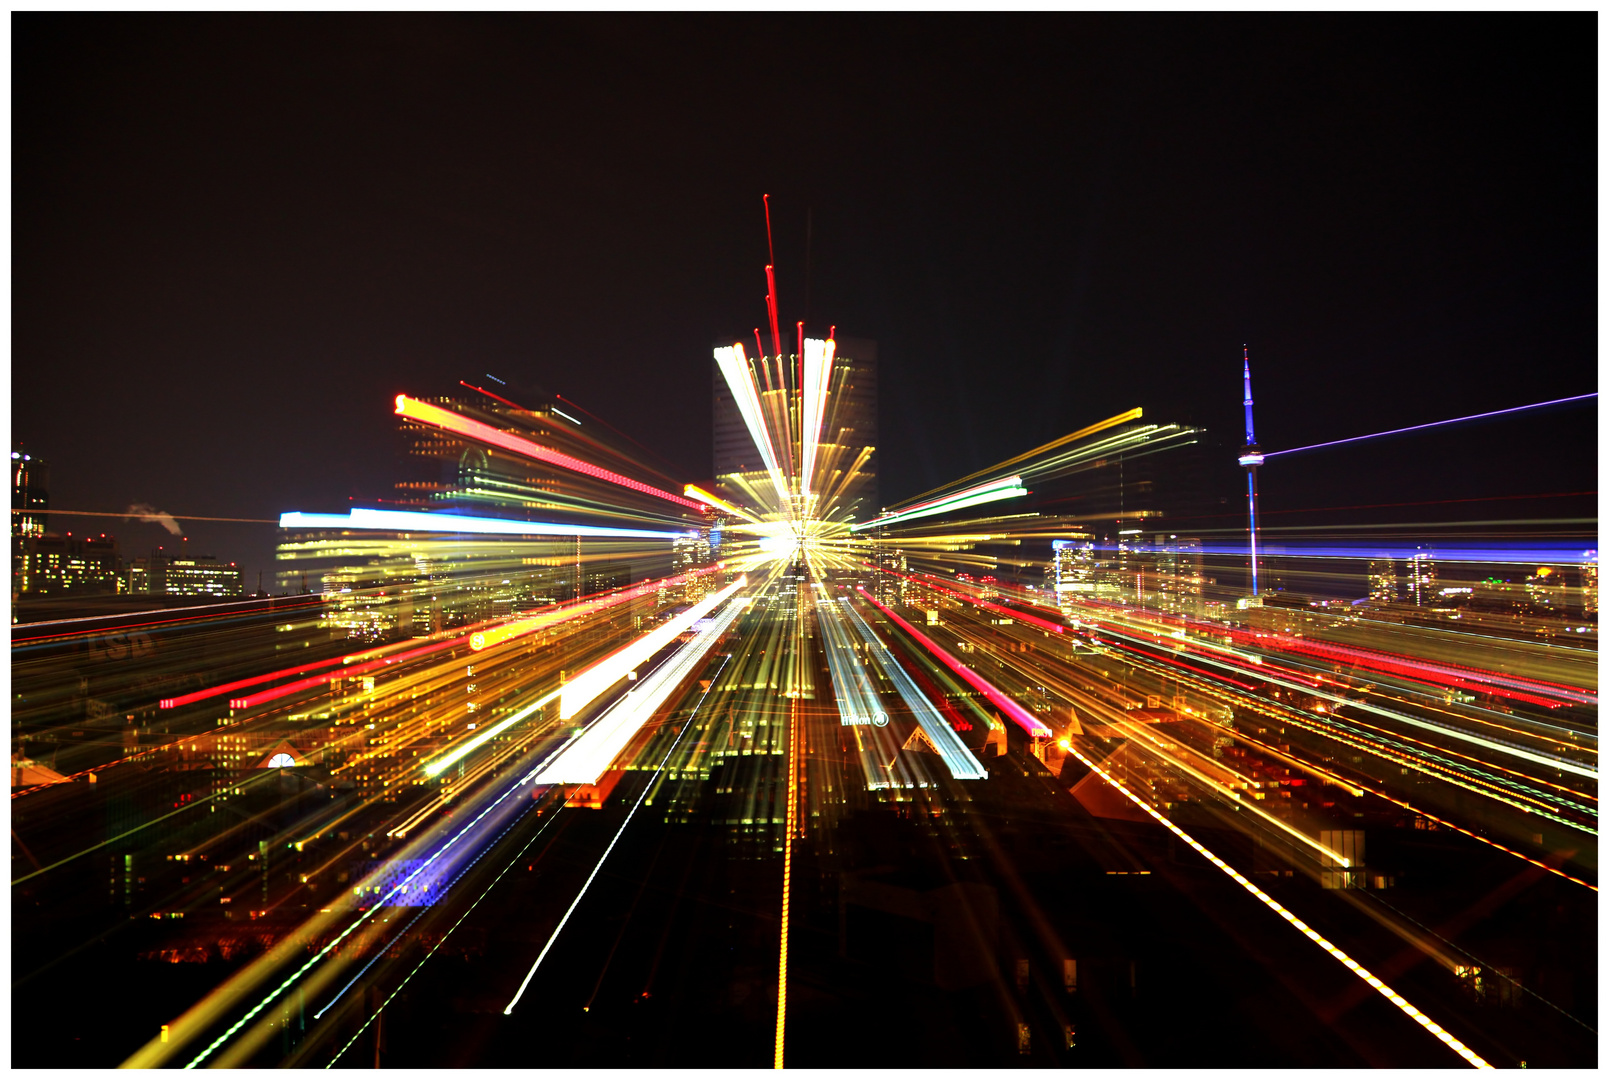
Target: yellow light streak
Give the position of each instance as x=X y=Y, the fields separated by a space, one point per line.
x=1312 y=935
x=1113 y=421
x=693 y=491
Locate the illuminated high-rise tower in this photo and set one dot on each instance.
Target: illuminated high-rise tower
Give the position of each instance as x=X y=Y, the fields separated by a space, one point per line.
x=30 y=478
x=1589 y=583
x=1179 y=576
x=846 y=456
x=1250 y=457
x=1419 y=587
x=1383 y=580
x=1073 y=571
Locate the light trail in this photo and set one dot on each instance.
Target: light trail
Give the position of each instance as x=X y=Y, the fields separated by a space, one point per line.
x=443 y=940
x=957 y=758
x=791 y=827
x=1282 y=678
x=1349 y=785
x=509 y=1009
x=734 y=367
x=693 y=491
x=1009 y=488
x=1312 y=935
x=1023 y=718
x=134 y=517
x=585 y=760
x=125 y=835
x=1433 y=424
x=856 y=698
x=1412 y=755
x=588 y=684
x=148 y=1056
x=1095 y=428
x=420 y=521
x=426 y=413
x=452 y=757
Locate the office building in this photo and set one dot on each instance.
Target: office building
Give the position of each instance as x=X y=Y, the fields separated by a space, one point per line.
x=1383 y=581
x=55 y=566
x=1179 y=577
x=890 y=586
x=30 y=478
x=1589 y=584
x=1546 y=589
x=165 y=574
x=1073 y=570
x=1419 y=585
x=689 y=554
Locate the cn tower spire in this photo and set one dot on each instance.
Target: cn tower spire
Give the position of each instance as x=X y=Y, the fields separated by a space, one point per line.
x=1245 y=355
x=1250 y=457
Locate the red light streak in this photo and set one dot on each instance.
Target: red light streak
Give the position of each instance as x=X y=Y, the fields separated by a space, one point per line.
x=357 y=669
x=771 y=282
x=493 y=396
x=241 y=684
x=559 y=613
x=1024 y=719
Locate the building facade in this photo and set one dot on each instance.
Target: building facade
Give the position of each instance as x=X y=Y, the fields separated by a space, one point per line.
x=1419 y=584
x=1073 y=570
x=165 y=574
x=30 y=481
x=50 y=565
x=1179 y=574
x=1383 y=581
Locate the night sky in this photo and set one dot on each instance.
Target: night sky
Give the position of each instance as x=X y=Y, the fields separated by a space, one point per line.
x=236 y=238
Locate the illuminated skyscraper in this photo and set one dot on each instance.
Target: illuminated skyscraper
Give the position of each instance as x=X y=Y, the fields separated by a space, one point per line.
x=890 y=585
x=847 y=453
x=689 y=553
x=185 y=575
x=51 y=565
x=30 y=477
x=1073 y=570
x=1589 y=584
x=1383 y=581
x=1419 y=587
x=46 y=564
x=1179 y=576
x=851 y=426
x=1546 y=588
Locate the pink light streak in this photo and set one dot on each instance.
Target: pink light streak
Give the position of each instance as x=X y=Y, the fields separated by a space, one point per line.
x=426 y=413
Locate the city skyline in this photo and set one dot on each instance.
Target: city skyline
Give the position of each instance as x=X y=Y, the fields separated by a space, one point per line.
x=1430 y=279
x=1056 y=541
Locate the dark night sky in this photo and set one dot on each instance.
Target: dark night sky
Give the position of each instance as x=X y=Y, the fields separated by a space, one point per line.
x=236 y=238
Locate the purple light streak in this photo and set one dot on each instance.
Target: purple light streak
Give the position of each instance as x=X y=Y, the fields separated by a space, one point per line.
x=1437 y=423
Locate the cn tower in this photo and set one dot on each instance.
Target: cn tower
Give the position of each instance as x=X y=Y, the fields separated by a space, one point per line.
x=1250 y=457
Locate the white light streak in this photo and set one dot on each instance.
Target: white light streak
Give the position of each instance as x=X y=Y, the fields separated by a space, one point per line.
x=585 y=760
x=509 y=1009
x=585 y=687
x=818 y=356
x=734 y=367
